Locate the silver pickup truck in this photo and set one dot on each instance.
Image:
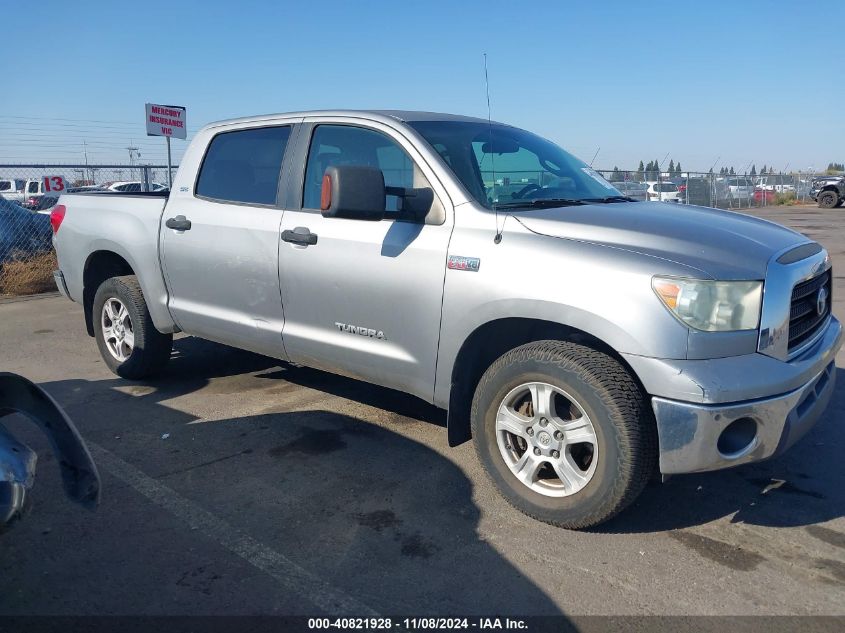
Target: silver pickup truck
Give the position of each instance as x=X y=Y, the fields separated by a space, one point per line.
x=584 y=341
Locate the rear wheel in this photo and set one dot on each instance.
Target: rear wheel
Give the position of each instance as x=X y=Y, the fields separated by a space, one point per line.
x=564 y=433
x=128 y=341
x=828 y=200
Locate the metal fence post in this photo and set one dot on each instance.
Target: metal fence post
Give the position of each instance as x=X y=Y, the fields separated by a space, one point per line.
x=146 y=169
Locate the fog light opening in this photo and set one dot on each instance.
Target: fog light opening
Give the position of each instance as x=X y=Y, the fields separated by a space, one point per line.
x=737 y=438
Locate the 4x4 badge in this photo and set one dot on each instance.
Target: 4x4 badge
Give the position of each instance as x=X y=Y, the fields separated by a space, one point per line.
x=456 y=262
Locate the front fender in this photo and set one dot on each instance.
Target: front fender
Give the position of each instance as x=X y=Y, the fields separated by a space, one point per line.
x=17 y=462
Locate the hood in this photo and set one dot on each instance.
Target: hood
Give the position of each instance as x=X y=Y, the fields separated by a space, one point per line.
x=720 y=244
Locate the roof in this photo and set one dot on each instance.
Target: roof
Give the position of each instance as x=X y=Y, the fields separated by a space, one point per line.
x=405 y=116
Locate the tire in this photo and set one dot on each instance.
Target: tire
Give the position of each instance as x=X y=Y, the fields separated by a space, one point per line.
x=608 y=474
x=828 y=200
x=114 y=330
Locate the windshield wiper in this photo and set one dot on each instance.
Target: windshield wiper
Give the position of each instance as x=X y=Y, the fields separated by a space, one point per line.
x=609 y=199
x=539 y=203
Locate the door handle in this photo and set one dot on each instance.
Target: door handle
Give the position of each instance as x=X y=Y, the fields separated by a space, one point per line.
x=179 y=223
x=301 y=235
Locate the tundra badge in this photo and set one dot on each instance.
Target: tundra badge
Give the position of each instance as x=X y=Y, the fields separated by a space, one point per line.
x=357 y=329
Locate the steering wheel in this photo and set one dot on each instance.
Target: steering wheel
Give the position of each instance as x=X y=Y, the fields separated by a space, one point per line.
x=526 y=190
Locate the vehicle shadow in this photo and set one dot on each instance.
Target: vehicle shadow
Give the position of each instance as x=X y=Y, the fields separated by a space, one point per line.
x=804 y=486
x=369 y=511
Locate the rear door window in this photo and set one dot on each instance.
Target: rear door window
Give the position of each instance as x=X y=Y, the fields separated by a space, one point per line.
x=244 y=166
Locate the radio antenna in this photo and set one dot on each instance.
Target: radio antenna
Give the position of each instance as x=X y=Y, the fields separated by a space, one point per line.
x=498 y=237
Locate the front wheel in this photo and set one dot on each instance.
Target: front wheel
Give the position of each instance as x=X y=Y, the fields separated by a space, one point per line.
x=828 y=200
x=128 y=341
x=564 y=432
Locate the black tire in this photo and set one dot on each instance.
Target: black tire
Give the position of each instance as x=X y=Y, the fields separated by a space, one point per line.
x=151 y=349
x=623 y=422
x=828 y=200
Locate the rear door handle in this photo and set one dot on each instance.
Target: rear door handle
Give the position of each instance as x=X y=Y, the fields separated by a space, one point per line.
x=179 y=223
x=301 y=235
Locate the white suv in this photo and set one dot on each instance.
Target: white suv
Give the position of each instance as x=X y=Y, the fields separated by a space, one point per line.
x=663 y=191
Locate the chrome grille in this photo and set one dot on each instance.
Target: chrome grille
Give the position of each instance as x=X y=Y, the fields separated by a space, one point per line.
x=804 y=318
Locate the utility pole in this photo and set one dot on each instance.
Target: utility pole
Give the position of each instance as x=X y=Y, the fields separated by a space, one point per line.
x=85 y=153
x=133 y=154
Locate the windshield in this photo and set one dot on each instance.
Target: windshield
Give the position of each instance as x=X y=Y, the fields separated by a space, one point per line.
x=499 y=164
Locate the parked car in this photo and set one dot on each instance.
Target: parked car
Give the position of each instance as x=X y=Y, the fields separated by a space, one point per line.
x=663 y=191
x=370 y=244
x=734 y=189
x=12 y=189
x=636 y=190
x=775 y=182
x=132 y=186
x=828 y=191
x=22 y=232
x=17 y=461
x=763 y=197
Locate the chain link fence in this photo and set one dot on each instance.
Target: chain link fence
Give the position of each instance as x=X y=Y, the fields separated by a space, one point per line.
x=27 y=259
x=723 y=191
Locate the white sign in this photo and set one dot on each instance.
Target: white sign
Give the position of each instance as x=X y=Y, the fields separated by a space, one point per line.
x=53 y=185
x=166 y=120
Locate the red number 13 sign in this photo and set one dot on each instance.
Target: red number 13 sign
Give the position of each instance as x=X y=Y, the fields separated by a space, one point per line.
x=53 y=184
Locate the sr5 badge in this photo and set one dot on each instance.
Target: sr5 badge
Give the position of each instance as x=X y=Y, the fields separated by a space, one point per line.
x=457 y=262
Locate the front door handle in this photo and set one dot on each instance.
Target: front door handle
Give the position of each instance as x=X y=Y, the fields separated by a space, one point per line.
x=301 y=235
x=179 y=223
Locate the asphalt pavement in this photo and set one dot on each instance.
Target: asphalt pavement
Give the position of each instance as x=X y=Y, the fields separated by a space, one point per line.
x=234 y=484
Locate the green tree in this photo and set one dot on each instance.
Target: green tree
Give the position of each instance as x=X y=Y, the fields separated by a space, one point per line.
x=732 y=172
x=753 y=171
x=671 y=167
x=678 y=168
x=763 y=171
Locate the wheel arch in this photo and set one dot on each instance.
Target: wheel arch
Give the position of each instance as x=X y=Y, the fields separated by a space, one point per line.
x=99 y=266
x=492 y=339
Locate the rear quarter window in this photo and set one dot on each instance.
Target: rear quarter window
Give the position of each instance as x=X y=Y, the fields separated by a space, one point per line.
x=244 y=165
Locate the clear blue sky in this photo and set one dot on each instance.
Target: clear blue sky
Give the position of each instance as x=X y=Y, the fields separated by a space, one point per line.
x=741 y=80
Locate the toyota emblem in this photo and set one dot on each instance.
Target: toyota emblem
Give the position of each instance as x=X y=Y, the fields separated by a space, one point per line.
x=821 y=301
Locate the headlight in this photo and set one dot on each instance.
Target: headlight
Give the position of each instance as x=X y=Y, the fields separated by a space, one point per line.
x=712 y=306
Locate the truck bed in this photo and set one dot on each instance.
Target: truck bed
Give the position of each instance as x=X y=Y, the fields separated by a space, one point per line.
x=126 y=224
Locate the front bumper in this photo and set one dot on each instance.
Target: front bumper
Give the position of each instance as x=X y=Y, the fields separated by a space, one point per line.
x=695 y=401
x=695 y=438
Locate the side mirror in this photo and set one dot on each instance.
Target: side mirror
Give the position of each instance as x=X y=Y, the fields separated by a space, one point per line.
x=355 y=192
